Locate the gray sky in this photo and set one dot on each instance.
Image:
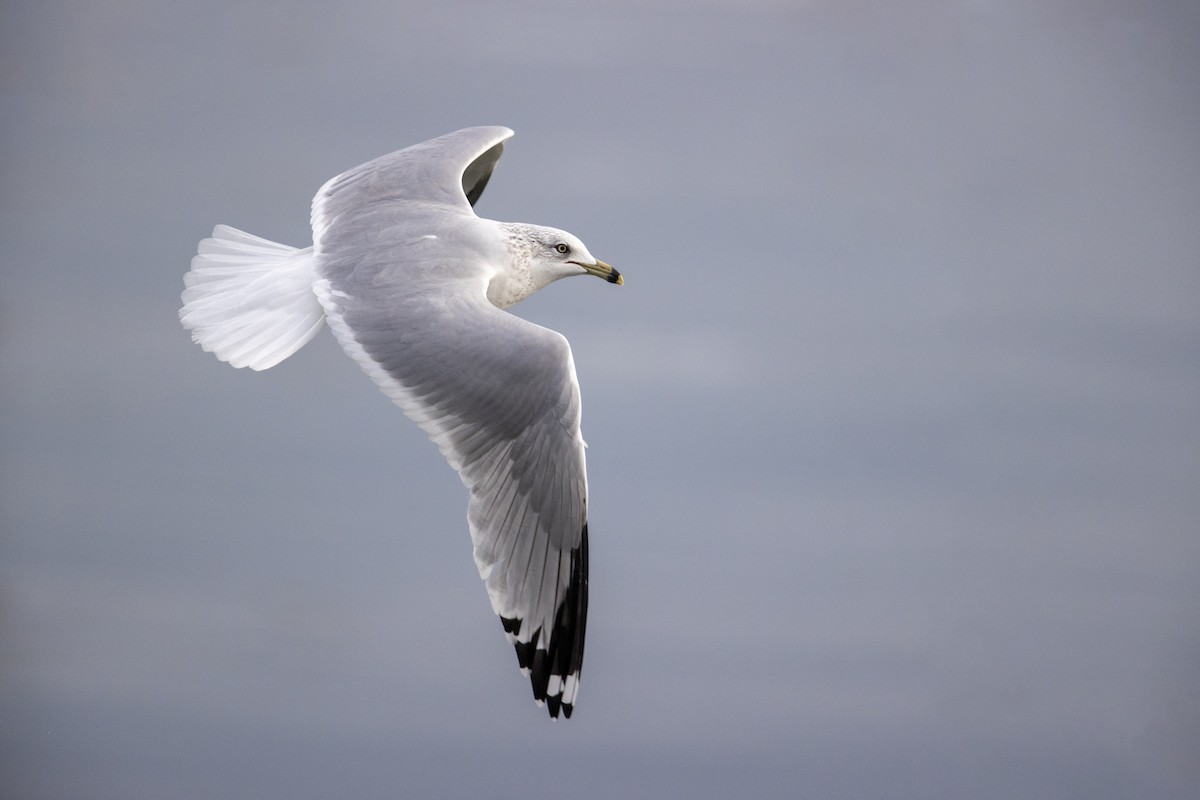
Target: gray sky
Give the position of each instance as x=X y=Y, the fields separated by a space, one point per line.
x=894 y=429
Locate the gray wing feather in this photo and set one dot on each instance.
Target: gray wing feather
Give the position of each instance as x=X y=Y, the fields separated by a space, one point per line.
x=450 y=171
x=499 y=397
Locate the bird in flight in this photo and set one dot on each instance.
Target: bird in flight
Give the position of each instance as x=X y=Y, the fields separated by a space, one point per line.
x=413 y=285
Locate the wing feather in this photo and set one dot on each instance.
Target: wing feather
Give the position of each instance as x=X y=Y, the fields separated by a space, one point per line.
x=450 y=171
x=499 y=396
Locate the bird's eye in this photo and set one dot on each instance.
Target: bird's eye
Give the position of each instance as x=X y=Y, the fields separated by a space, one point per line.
x=562 y=248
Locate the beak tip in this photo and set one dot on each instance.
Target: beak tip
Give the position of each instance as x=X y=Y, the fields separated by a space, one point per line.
x=601 y=270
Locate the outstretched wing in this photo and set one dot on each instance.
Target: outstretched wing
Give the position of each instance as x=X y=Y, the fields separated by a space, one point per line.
x=450 y=171
x=499 y=397
x=404 y=291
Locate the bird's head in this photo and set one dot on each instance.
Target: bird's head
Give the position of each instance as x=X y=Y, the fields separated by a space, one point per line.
x=555 y=254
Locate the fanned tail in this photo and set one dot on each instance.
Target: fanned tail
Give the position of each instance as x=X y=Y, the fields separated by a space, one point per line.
x=250 y=301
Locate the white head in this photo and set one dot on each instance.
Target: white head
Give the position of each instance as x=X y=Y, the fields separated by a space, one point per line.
x=538 y=257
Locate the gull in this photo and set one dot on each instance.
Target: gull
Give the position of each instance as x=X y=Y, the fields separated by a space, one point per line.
x=413 y=285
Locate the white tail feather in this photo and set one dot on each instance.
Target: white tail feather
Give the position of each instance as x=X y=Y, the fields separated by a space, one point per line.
x=249 y=301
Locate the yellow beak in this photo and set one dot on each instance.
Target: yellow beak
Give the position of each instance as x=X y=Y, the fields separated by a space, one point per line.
x=602 y=270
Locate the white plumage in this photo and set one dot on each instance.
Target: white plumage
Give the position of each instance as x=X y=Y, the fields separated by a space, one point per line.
x=249 y=301
x=412 y=284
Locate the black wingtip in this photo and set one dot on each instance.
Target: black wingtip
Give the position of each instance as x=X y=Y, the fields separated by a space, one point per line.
x=564 y=658
x=525 y=654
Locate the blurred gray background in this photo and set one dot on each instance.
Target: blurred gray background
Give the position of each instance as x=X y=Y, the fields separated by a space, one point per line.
x=895 y=427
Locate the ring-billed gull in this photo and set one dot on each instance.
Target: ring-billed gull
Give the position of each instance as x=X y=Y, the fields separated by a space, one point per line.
x=412 y=284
